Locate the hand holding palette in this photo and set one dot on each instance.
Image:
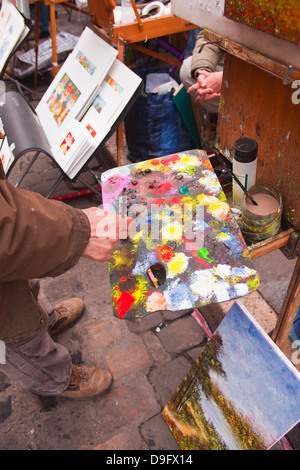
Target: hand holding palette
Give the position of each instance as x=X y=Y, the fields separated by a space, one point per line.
x=185 y=250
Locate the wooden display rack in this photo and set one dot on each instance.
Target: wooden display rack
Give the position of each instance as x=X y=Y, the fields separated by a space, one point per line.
x=102 y=18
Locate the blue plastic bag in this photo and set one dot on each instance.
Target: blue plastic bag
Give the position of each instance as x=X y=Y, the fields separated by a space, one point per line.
x=154 y=126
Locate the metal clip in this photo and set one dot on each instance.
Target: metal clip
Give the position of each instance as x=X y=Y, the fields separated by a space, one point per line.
x=285 y=80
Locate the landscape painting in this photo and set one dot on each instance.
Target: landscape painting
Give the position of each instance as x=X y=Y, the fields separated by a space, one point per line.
x=241 y=394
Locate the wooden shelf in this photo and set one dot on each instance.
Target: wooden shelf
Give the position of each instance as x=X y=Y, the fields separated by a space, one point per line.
x=287 y=74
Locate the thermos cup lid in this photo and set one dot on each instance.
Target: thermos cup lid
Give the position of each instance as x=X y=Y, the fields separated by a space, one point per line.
x=245 y=150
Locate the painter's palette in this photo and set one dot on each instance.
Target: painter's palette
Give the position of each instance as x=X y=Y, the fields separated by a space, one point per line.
x=186 y=250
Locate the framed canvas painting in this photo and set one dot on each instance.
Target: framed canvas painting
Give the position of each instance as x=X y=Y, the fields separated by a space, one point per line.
x=242 y=393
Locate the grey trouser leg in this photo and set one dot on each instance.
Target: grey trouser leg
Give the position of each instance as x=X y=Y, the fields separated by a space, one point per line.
x=39 y=363
x=210 y=106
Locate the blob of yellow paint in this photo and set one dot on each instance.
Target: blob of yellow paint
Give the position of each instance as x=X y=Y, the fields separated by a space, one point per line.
x=177 y=265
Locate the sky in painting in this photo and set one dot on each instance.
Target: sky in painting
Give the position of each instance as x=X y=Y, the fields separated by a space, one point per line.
x=259 y=381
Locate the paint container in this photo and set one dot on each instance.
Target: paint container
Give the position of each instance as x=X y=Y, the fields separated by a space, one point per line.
x=262 y=221
x=244 y=167
x=128 y=15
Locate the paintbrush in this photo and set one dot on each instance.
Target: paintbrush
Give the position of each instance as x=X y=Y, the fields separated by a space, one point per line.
x=123 y=203
x=227 y=168
x=123 y=210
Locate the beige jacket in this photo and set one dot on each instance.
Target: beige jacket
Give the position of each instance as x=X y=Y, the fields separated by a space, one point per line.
x=210 y=56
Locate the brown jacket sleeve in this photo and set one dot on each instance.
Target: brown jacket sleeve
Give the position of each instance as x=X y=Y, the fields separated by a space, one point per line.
x=39 y=237
x=210 y=56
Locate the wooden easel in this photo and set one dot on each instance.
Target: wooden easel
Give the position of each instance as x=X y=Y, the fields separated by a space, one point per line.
x=140 y=30
x=258 y=104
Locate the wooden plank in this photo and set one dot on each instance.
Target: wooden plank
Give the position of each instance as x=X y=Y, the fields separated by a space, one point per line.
x=267 y=246
x=102 y=13
x=157 y=55
x=210 y=15
x=152 y=28
x=287 y=315
x=265 y=63
x=258 y=105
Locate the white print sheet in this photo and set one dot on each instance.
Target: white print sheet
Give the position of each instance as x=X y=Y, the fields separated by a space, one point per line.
x=12 y=31
x=78 y=142
x=5 y=14
x=69 y=145
x=6 y=155
x=23 y=7
x=107 y=102
x=95 y=126
x=123 y=83
x=65 y=98
x=94 y=54
x=84 y=101
x=115 y=92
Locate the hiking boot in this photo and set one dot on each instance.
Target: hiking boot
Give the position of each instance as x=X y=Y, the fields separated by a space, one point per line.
x=87 y=382
x=68 y=312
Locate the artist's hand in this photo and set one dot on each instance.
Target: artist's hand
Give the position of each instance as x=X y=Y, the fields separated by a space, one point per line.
x=107 y=228
x=208 y=85
x=2 y=135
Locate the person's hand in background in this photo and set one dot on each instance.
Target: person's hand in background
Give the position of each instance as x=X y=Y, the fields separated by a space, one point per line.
x=208 y=85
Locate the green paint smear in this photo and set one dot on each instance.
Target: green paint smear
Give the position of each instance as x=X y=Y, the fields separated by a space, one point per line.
x=190 y=170
x=253 y=283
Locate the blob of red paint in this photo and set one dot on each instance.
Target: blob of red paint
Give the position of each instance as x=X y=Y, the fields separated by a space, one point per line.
x=165 y=253
x=124 y=303
x=167 y=161
x=163 y=188
x=175 y=200
x=159 y=201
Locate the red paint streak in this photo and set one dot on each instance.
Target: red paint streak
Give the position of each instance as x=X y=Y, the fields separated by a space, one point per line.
x=165 y=253
x=163 y=188
x=206 y=163
x=155 y=162
x=167 y=161
x=175 y=200
x=159 y=201
x=124 y=303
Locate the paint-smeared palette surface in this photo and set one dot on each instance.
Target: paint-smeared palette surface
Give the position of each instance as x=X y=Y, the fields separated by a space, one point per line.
x=185 y=250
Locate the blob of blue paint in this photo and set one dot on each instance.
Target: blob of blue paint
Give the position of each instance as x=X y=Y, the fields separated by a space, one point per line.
x=180 y=295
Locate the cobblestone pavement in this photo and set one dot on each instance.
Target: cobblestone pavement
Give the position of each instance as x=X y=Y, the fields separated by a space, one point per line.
x=147 y=357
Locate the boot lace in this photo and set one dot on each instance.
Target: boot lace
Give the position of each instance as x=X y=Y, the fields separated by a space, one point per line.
x=79 y=374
